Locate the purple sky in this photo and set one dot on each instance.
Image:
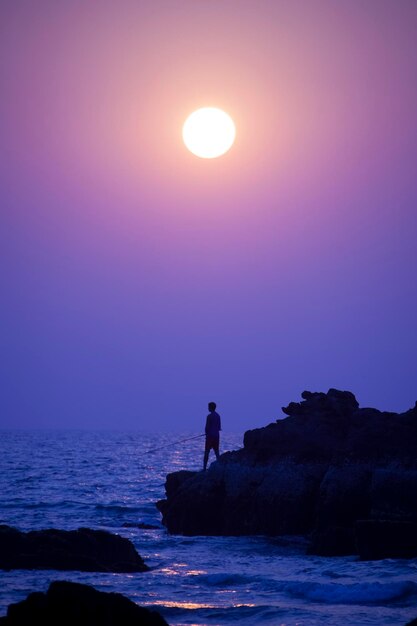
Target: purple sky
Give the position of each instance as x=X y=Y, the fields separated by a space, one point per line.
x=139 y=282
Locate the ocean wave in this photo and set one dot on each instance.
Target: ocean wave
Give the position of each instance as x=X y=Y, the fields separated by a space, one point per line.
x=42 y=504
x=232 y=581
x=118 y=508
x=241 y=613
x=224 y=579
x=367 y=593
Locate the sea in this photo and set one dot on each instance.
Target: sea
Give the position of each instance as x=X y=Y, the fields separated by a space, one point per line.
x=111 y=481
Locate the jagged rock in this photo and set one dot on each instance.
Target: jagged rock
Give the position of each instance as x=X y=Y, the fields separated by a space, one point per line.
x=315 y=472
x=233 y=502
x=386 y=539
x=334 y=541
x=83 y=550
x=68 y=603
x=335 y=402
x=344 y=496
x=390 y=494
x=141 y=526
x=175 y=480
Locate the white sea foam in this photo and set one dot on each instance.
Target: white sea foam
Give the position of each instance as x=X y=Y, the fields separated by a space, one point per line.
x=369 y=593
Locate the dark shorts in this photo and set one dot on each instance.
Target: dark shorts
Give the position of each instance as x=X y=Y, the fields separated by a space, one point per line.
x=212 y=443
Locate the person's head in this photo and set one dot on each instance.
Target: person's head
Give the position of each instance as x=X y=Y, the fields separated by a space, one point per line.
x=211 y=406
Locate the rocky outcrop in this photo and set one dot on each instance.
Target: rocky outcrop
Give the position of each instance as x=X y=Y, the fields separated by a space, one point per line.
x=383 y=539
x=319 y=471
x=84 y=550
x=69 y=603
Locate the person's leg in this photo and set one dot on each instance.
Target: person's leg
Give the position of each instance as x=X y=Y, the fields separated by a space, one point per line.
x=206 y=456
x=216 y=449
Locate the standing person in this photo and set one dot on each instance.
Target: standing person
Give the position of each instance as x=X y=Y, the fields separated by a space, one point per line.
x=213 y=428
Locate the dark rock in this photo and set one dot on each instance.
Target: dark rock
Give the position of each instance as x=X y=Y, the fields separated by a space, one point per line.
x=386 y=539
x=344 y=496
x=175 y=481
x=394 y=494
x=317 y=472
x=335 y=401
x=233 y=503
x=83 y=550
x=333 y=541
x=202 y=513
x=68 y=603
x=141 y=526
x=294 y=408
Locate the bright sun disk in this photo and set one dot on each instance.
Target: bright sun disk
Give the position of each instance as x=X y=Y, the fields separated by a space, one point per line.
x=208 y=132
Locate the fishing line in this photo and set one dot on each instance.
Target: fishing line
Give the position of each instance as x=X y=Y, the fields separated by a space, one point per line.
x=174 y=443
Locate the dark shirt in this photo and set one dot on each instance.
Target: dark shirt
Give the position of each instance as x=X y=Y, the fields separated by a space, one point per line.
x=213 y=424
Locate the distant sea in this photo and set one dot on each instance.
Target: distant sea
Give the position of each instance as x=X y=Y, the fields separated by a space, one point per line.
x=108 y=480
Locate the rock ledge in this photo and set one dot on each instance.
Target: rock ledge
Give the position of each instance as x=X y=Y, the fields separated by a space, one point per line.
x=84 y=550
x=318 y=472
x=68 y=603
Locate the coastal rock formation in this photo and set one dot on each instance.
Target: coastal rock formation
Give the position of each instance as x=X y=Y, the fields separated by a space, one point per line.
x=382 y=539
x=319 y=471
x=84 y=550
x=69 y=603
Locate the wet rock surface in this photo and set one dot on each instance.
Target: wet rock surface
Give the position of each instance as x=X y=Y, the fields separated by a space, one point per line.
x=326 y=466
x=68 y=603
x=84 y=550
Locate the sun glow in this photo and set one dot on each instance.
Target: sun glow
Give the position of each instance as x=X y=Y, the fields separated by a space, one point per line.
x=209 y=132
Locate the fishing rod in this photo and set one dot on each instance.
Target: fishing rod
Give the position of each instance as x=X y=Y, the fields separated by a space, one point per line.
x=174 y=443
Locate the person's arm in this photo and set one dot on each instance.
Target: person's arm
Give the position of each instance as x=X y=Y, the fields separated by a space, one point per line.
x=207 y=424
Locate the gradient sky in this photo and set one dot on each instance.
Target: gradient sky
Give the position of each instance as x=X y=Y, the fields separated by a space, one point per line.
x=140 y=282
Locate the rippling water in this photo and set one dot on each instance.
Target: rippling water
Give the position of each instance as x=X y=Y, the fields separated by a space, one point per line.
x=108 y=480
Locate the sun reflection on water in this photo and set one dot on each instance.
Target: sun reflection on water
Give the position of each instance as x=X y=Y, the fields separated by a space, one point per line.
x=171 y=604
x=179 y=569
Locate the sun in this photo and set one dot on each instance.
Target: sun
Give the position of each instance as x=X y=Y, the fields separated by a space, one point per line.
x=208 y=132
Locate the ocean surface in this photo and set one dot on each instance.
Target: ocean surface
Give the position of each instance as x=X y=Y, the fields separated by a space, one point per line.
x=110 y=480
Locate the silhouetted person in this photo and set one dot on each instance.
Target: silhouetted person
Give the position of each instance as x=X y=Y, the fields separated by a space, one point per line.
x=213 y=428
